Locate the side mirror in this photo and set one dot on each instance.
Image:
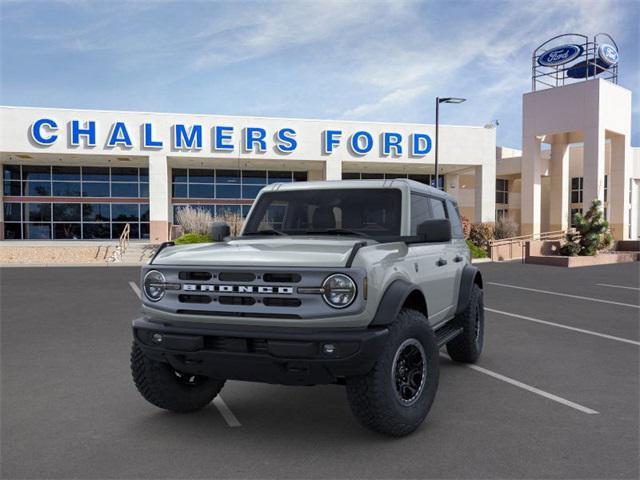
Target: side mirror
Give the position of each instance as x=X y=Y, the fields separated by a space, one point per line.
x=219 y=231
x=434 y=231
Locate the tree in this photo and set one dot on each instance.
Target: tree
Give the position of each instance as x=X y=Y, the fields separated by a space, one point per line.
x=591 y=235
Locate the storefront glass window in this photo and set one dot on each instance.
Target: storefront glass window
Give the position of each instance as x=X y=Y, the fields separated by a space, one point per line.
x=576 y=189
x=502 y=190
x=227 y=185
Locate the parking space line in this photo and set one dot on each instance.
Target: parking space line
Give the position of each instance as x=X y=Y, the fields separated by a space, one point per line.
x=136 y=289
x=617 y=286
x=566 y=327
x=226 y=412
x=529 y=388
x=590 y=299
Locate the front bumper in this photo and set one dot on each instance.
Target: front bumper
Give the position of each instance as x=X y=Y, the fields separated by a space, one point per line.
x=270 y=355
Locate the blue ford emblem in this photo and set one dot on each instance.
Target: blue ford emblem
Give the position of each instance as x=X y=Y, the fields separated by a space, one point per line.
x=608 y=54
x=560 y=55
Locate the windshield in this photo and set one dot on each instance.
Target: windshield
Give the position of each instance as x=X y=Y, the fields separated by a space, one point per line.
x=370 y=212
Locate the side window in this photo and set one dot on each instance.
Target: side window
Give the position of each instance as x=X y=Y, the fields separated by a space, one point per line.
x=437 y=207
x=420 y=211
x=456 y=223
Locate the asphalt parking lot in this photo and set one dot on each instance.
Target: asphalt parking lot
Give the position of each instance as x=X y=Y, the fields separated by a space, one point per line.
x=555 y=394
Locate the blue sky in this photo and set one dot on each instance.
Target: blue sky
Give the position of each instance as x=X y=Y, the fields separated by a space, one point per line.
x=365 y=60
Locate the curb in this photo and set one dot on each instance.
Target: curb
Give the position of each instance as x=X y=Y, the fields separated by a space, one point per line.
x=68 y=265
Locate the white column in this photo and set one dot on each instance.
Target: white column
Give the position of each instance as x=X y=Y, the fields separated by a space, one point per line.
x=333 y=169
x=618 y=188
x=485 y=192
x=159 y=197
x=531 y=186
x=593 y=167
x=559 y=205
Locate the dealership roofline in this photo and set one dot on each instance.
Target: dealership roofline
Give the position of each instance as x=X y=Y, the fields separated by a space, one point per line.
x=238 y=116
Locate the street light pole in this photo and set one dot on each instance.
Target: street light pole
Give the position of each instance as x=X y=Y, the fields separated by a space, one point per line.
x=438 y=102
x=437 y=142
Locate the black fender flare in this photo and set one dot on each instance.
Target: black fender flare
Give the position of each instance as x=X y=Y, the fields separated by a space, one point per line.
x=470 y=276
x=392 y=301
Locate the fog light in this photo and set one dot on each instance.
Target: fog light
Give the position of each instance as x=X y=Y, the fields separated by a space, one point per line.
x=156 y=338
x=329 y=348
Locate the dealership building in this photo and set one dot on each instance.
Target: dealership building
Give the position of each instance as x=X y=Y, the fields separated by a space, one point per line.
x=86 y=174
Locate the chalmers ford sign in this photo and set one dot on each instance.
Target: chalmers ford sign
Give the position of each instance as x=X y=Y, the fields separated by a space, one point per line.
x=45 y=132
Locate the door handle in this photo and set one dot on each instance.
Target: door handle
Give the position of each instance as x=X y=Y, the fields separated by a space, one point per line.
x=441 y=262
x=458 y=258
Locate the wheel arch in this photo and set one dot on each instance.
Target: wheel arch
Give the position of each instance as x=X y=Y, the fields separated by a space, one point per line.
x=398 y=295
x=470 y=276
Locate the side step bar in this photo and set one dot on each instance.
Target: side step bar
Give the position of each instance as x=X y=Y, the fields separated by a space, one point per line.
x=447 y=333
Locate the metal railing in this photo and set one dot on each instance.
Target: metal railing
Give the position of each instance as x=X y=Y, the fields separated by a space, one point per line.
x=514 y=247
x=123 y=244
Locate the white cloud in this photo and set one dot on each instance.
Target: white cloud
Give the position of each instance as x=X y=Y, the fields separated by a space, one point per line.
x=489 y=55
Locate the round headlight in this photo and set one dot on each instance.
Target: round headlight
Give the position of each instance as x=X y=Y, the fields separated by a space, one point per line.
x=339 y=290
x=154 y=285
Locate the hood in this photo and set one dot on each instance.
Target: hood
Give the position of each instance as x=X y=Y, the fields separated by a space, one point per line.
x=257 y=252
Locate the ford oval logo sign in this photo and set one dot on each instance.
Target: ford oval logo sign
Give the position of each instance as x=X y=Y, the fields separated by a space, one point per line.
x=560 y=55
x=608 y=54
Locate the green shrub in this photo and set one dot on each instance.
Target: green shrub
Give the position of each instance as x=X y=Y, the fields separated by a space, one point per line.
x=476 y=251
x=482 y=233
x=591 y=235
x=192 y=238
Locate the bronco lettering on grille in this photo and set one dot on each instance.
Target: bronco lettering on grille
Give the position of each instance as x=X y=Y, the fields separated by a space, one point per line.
x=191 y=287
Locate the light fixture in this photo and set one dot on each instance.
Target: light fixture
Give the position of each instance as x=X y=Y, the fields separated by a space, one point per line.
x=451 y=100
x=339 y=290
x=440 y=100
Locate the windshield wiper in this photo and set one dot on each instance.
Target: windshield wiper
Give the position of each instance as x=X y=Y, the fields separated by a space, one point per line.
x=336 y=231
x=266 y=231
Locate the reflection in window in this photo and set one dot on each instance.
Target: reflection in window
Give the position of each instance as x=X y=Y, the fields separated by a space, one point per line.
x=66 y=173
x=69 y=231
x=37 y=231
x=52 y=220
x=37 y=189
x=66 y=212
x=37 y=212
x=576 y=189
x=96 y=231
x=502 y=190
x=420 y=211
x=96 y=212
x=124 y=212
x=124 y=190
x=36 y=172
x=66 y=189
x=95 y=189
x=437 y=208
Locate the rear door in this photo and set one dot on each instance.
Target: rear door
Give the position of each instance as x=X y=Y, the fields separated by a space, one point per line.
x=432 y=261
x=460 y=249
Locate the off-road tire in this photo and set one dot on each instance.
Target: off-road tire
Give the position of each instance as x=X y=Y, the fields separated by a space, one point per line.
x=373 y=397
x=467 y=346
x=162 y=386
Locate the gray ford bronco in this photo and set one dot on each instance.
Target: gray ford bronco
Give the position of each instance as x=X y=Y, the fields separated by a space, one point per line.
x=358 y=283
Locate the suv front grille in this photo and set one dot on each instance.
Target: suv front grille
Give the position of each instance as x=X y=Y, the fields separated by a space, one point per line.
x=252 y=292
x=194 y=299
x=229 y=300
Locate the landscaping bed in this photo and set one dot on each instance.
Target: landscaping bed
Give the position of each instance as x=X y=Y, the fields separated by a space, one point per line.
x=584 y=261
